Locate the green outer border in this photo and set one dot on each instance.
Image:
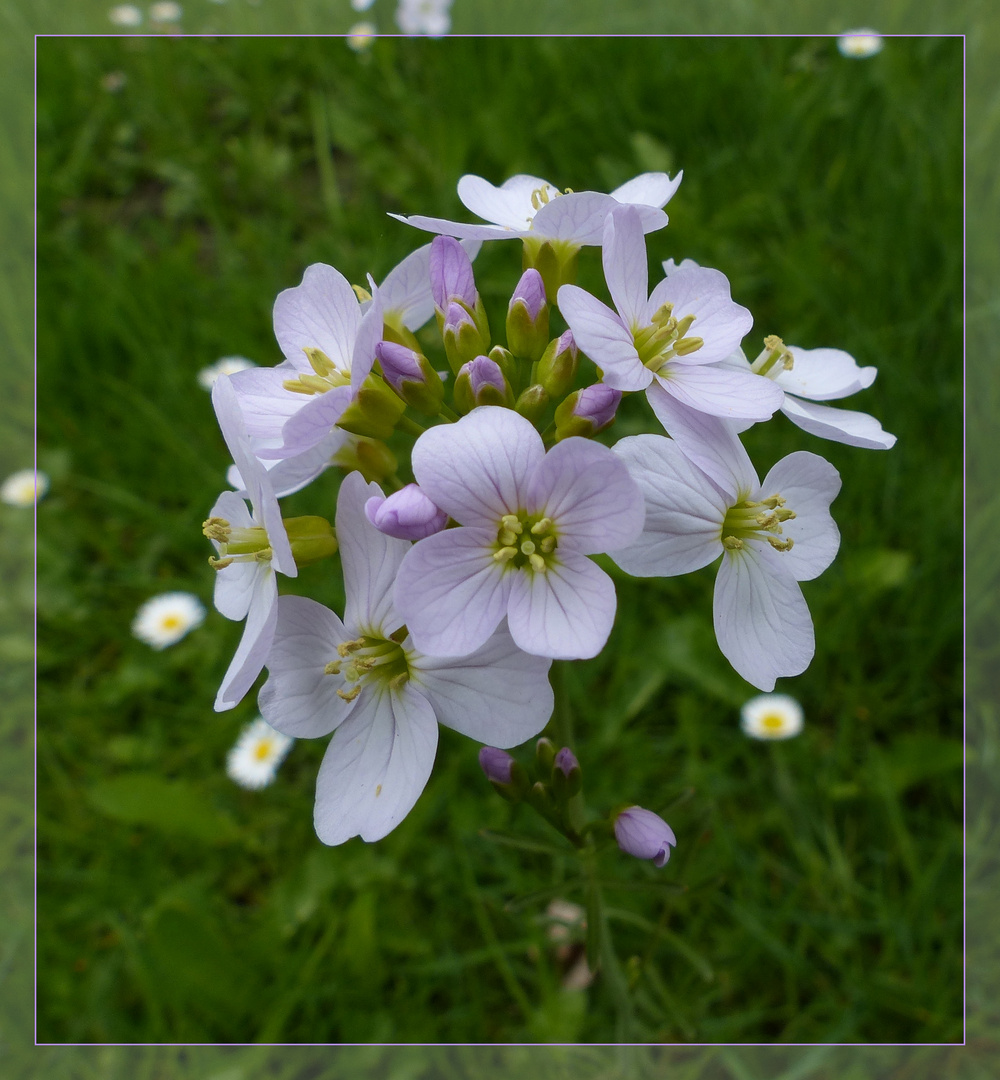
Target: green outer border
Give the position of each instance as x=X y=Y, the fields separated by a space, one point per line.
x=19 y=21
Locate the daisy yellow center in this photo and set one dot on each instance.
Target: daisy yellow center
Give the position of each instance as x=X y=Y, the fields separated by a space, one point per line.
x=170 y=622
x=762 y=520
x=327 y=375
x=263 y=750
x=368 y=660
x=526 y=540
x=665 y=338
x=772 y=722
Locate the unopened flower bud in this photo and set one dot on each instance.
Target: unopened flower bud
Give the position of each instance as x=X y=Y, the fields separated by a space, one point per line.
x=557 y=367
x=644 y=834
x=481 y=382
x=532 y=403
x=586 y=412
x=545 y=754
x=506 y=361
x=504 y=773
x=374 y=411
x=410 y=374
x=372 y=458
x=407 y=514
x=464 y=338
x=451 y=273
x=567 y=777
x=528 y=317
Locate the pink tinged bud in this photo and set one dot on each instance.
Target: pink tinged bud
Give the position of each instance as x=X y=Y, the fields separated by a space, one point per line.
x=566 y=761
x=451 y=273
x=598 y=404
x=483 y=372
x=398 y=363
x=407 y=514
x=530 y=292
x=455 y=317
x=557 y=366
x=644 y=834
x=496 y=764
x=481 y=382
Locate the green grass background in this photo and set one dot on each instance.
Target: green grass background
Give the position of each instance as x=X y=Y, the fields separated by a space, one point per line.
x=120 y=522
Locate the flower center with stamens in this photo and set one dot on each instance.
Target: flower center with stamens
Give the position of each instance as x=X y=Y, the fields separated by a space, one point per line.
x=665 y=338
x=369 y=659
x=761 y=520
x=526 y=540
x=327 y=377
x=236 y=543
x=775 y=358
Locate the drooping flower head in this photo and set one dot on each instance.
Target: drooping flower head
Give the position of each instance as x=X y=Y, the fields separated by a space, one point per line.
x=528 y=521
x=363 y=679
x=703 y=500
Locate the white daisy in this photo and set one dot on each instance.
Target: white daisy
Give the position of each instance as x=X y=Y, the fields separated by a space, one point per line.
x=24 y=487
x=771 y=716
x=165 y=11
x=227 y=365
x=258 y=752
x=125 y=15
x=362 y=5
x=165 y=619
x=361 y=36
x=860 y=44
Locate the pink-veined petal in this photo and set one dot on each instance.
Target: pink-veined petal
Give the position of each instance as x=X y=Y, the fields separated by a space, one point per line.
x=288 y=475
x=824 y=374
x=377 y=764
x=565 y=612
x=838 y=425
x=298 y=698
x=762 y=624
x=255 y=644
x=625 y=267
x=684 y=510
x=497 y=695
x=321 y=313
x=808 y=484
x=710 y=442
x=588 y=493
x=719 y=320
x=451 y=593
x=508 y=205
x=650 y=189
x=309 y=426
x=718 y=392
x=477 y=469
x=370 y=560
x=600 y=333
x=264 y=402
x=460 y=229
x=369 y=335
x=576 y=218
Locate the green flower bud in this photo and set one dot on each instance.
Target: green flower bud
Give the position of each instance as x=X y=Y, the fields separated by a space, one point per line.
x=528 y=317
x=557 y=367
x=532 y=403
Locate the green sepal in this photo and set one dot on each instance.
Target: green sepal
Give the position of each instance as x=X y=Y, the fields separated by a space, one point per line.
x=375 y=410
x=532 y=403
x=557 y=369
x=312 y=538
x=555 y=260
x=526 y=336
x=370 y=457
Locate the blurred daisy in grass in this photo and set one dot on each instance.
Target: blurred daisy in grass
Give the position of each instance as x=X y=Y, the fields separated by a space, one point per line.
x=771 y=716
x=256 y=755
x=24 y=487
x=165 y=619
x=166 y=11
x=362 y=36
x=860 y=44
x=430 y=17
x=227 y=365
x=125 y=15
x=362 y=5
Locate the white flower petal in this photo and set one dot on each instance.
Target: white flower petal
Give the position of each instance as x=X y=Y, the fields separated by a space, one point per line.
x=298 y=698
x=704 y=293
x=377 y=764
x=762 y=624
x=288 y=475
x=824 y=374
x=625 y=267
x=808 y=483
x=476 y=469
x=709 y=441
x=565 y=612
x=255 y=644
x=459 y=229
x=497 y=695
x=599 y=332
x=370 y=559
x=264 y=402
x=589 y=494
x=684 y=510
x=838 y=425
x=369 y=335
x=577 y=218
x=321 y=313
x=508 y=205
x=650 y=189
x=451 y=593
x=313 y=422
x=720 y=392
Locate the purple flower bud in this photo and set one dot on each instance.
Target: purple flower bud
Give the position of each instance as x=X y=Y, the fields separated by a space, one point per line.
x=455 y=317
x=567 y=343
x=566 y=761
x=407 y=514
x=644 y=834
x=496 y=764
x=531 y=292
x=451 y=273
x=398 y=363
x=484 y=372
x=598 y=404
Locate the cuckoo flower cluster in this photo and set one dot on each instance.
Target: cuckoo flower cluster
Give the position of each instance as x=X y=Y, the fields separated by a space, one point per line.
x=474 y=496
